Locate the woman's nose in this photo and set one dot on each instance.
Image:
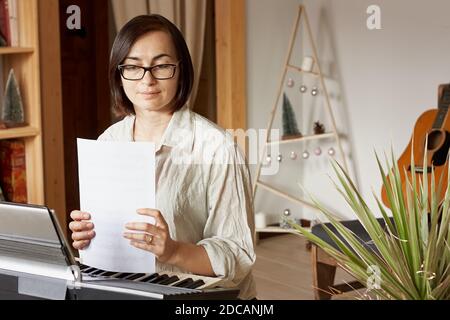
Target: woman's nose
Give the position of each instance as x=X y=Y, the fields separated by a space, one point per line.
x=148 y=78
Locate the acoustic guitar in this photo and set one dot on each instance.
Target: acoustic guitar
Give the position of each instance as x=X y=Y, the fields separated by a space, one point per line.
x=434 y=124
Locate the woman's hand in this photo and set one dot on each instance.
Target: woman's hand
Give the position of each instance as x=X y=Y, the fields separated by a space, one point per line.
x=82 y=230
x=154 y=238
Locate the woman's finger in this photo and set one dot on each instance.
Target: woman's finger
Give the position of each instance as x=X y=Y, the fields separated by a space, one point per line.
x=81 y=226
x=81 y=244
x=143 y=226
x=86 y=235
x=143 y=246
x=159 y=218
x=143 y=237
x=79 y=215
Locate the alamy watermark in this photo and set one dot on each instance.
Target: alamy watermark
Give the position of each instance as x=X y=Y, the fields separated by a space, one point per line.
x=73 y=22
x=374 y=19
x=218 y=147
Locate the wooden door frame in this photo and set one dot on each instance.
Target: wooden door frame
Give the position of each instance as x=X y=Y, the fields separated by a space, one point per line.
x=52 y=112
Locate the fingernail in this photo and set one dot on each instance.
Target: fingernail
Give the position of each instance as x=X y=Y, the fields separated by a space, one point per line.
x=91 y=233
x=90 y=225
x=86 y=216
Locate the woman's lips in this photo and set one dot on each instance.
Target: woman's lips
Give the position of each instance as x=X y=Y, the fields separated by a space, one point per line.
x=149 y=95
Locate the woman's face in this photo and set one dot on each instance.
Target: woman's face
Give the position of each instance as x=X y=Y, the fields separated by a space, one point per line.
x=150 y=94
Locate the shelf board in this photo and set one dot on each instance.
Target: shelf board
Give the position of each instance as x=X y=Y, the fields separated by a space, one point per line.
x=22 y=132
x=304 y=138
x=15 y=50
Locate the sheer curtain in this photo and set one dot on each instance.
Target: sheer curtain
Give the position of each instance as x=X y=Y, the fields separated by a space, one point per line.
x=188 y=15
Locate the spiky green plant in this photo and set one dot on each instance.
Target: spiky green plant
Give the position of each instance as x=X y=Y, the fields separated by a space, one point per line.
x=413 y=257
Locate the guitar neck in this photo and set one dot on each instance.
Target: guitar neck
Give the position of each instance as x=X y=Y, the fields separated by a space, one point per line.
x=440 y=117
x=443 y=106
x=444 y=96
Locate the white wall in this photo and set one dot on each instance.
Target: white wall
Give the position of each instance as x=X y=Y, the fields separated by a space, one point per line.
x=382 y=81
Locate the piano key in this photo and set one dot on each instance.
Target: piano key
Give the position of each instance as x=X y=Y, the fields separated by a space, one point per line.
x=184 y=283
x=123 y=275
x=108 y=273
x=96 y=273
x=135 y=276
x=83 y=267
x=159 y=279
x=149 y=278
x=87 y=271
x=195 y=284
x=169 y=280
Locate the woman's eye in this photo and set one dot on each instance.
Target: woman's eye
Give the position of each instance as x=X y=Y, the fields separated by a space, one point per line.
x=162 y=66
x=131 y=68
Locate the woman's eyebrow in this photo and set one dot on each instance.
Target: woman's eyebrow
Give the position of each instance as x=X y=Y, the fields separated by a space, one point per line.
x=133 y=58
x=159 y=56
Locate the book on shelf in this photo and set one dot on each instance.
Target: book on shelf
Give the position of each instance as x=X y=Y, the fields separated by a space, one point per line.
x=9 y=23
x=13 y=170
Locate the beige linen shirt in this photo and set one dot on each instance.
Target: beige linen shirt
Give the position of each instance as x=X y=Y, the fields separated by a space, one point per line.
x=203 y=190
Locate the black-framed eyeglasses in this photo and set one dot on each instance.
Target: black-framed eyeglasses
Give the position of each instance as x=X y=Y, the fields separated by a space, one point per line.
x=163 y=71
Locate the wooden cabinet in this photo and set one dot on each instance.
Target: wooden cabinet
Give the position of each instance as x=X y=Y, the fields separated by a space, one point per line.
x=25 y=61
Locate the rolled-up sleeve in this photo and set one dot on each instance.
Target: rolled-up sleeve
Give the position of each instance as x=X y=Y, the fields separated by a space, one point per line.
x=228 y=233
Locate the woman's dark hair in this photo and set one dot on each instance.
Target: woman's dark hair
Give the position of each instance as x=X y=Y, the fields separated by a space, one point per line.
x=125 y=39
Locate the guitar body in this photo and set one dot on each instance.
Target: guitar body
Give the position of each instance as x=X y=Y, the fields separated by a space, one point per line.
x=436 y=153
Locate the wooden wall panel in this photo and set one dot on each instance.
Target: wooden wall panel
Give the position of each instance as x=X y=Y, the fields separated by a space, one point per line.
x=230 y=64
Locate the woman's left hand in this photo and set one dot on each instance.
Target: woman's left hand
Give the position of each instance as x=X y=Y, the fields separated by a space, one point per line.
x=154 y=238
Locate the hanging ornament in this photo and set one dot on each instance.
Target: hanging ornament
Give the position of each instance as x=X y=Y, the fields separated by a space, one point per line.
x=290 y=83
x=318 y=128
x=293 y=155
x=318 y=151
x=280 y=157
x=305 y=155
x=331 y=151
x=315 y=91
x=303 y=88
x=284 y=219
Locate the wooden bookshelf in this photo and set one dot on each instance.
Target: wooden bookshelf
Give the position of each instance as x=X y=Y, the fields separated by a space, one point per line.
x=25 y=61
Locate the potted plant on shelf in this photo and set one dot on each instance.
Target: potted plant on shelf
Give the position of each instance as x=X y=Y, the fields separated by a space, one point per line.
x=412 y=255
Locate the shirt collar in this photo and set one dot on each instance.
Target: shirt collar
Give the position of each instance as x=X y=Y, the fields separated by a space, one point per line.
x=180 y=131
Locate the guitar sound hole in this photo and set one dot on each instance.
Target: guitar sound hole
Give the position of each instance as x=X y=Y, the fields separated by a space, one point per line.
x=435 y=139
x=439 y=143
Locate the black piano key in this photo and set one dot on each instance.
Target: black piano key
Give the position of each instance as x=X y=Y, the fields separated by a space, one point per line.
x=195 y=284
x=107 y=273
x=170 y=280
x=184 y=283
x=149 y=278
x=123 y=275
x=83 y=267
x=97 y=272
x=135 y=276
x=159 y=279
x=89 y=270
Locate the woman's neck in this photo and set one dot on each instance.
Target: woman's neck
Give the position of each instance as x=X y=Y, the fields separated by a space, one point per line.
x=150 y=125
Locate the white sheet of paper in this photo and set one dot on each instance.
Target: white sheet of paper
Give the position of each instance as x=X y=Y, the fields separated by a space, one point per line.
x=116 y=179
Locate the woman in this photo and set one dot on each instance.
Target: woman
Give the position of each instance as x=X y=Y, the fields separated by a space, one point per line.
x=204 y=216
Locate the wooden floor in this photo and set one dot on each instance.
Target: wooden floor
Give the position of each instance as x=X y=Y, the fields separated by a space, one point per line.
x=283 y=270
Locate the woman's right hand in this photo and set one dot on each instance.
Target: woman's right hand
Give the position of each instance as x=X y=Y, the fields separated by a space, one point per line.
x=82 y=230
